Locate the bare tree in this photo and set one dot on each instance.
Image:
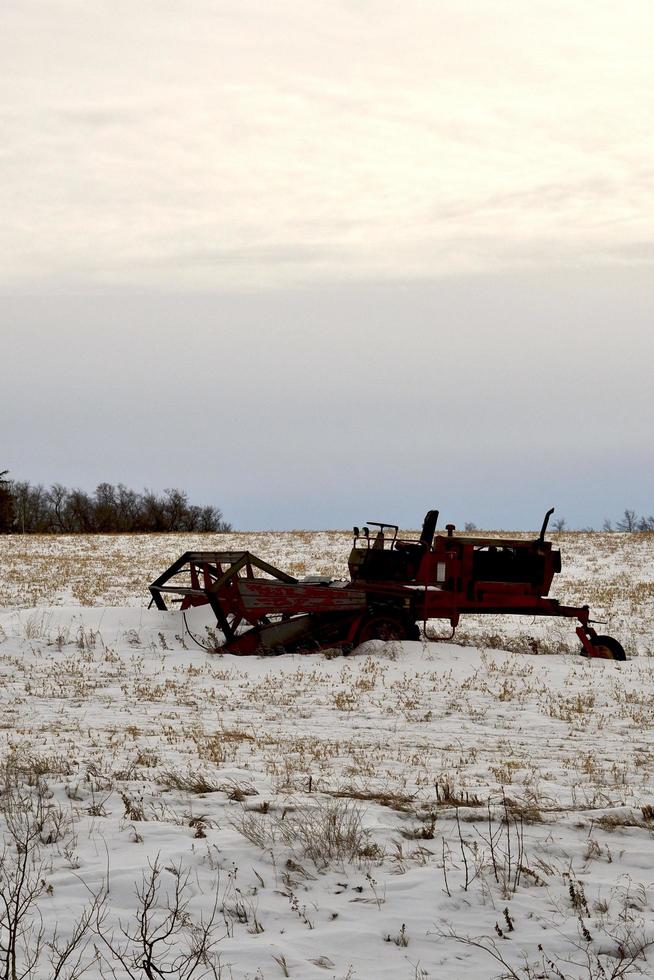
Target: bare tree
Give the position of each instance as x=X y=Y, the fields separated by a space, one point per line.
x=175 y=508
x=6 y=504
x=21 y=933
x=82 y=511
x=31 y=508
x=164 y=940
x=628 y=522
x=128 y=503
x=152 y=513
x=23 y=939
x=58 y=498
x=105 y=507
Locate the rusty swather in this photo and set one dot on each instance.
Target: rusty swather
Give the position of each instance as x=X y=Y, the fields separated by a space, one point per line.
x=395 y=585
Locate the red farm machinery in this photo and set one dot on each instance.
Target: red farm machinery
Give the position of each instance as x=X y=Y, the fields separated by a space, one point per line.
x=395 y=584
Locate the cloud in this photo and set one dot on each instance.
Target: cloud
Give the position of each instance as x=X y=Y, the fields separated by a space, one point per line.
x=251 y=144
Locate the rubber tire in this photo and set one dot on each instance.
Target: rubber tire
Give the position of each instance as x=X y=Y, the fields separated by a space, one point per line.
x=383 y=627
x=612 y=649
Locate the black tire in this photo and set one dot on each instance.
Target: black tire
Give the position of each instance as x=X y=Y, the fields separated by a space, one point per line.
x=608 y=648
x=383 y=626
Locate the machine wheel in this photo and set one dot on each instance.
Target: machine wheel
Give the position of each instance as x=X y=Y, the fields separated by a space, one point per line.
x=608 y=648
x=384 y=627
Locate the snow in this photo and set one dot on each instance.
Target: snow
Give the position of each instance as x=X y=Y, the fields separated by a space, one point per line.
x=242 y=772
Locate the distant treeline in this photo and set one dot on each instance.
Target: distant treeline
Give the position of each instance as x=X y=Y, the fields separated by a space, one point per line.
x=630 y=521
x=34 y=509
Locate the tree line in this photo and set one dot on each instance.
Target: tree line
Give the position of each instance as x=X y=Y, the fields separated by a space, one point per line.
x=34 y=509
x=630 y=522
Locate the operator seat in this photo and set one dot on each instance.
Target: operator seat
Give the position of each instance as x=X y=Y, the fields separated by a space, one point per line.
x=429 y=529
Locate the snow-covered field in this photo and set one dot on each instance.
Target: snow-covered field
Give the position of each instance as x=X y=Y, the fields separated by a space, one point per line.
x=412 y=811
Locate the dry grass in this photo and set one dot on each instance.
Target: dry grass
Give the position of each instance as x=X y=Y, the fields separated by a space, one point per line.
x=325 y=831
x=614 y=573
x=130 y=730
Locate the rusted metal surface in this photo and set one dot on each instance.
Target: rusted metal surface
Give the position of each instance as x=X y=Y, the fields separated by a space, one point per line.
x=258 y=597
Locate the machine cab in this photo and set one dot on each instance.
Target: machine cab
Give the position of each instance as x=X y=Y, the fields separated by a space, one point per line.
x=472 y=566
x=380 y=555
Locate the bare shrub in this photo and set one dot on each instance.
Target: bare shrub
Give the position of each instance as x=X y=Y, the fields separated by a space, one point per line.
x=32 y=818
x=197 y=782
x=163 y=939
x=191 y=781
x=32 y=822
x=21 y=884
x=625 y=818
x=621 y=953
x=328 y=831
x=448 y=795
x=401 y=939
x=134 y=809
x=256 y=827
x=324 y=831
x=31 y=766
x=392 y=799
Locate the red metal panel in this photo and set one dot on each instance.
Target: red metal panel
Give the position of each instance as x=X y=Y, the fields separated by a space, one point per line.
x=261 y=596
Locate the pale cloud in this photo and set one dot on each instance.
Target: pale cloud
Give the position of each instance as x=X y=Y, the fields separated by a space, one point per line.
x=224 y=145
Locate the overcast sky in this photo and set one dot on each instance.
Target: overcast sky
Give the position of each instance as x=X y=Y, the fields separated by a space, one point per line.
x=317 y=262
